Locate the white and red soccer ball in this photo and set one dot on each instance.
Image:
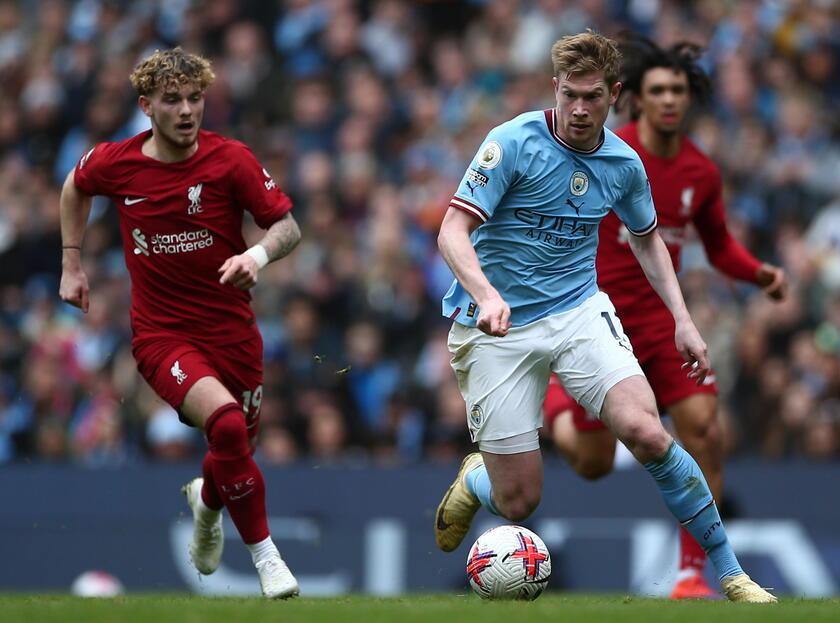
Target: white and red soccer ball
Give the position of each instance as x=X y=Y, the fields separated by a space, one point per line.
x=97 y=584
x=508 y=562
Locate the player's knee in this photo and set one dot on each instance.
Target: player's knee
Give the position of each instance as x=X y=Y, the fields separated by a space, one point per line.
x=595 y=467
x=647 y=440
x=517 y=505
x=226 y=433
x=520 y=509
x=707 y=431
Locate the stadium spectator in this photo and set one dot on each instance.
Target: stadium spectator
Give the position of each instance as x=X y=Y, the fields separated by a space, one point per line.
x=89 y=46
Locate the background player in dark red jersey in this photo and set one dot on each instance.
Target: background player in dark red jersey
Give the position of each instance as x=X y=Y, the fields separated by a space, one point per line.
x=181 y=192
x=686 y=189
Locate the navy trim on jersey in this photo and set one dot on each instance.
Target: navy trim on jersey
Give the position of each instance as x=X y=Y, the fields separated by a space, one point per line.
x=551 y=122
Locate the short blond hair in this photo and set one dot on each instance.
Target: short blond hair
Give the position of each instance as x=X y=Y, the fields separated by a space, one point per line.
x=171 y=68
x=584 y=53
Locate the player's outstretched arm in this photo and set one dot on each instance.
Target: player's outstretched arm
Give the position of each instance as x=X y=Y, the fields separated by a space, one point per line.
x=74 y=208
x=458 y=251
x=655 y=260
x=280 y=239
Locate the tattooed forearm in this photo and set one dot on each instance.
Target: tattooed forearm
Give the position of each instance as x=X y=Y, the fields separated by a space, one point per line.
x=281 y=238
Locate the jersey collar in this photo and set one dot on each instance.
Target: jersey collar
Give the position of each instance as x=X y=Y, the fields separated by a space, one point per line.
x=551 y=122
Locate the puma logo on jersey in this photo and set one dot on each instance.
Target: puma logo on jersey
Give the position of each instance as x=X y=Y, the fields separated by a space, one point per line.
x=194 y=195
x=577 y=208
x=130 y=201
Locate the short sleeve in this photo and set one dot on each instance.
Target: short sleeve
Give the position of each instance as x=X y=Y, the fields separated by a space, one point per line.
x=636 y=208
x=88 y=175
x=256 y=191
x=488 y=177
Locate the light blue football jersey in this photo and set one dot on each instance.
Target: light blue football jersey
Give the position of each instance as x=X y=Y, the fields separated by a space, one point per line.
x=540 y=201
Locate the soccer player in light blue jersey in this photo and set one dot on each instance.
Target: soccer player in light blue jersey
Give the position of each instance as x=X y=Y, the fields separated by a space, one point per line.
x=520 y=236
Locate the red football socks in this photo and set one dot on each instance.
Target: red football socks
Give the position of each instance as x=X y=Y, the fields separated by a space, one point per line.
x=238 y=481
x=209 y=493
x=692 y=555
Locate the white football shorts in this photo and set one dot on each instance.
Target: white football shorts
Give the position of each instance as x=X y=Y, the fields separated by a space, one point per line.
x=503 y=379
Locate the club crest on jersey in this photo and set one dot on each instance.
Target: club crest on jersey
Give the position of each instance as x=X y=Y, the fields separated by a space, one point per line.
x=194 y=195
x=490 y=155
x=579 y=183
x=476 y=415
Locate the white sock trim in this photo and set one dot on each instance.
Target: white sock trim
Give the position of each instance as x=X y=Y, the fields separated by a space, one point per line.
x=263 y=550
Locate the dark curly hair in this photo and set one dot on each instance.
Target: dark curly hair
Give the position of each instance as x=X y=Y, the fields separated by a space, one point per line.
x=640 y=55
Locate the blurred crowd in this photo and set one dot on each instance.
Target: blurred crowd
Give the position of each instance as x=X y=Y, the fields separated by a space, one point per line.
x=367 y=113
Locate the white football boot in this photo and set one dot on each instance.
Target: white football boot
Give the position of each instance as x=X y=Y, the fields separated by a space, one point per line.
x=208 y=539
x=276 y=580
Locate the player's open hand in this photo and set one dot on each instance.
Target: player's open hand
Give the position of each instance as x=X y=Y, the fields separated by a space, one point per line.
x=494 y=316
x=693 y=350
x=74 y=289
x=773 y=281
x=240 y=271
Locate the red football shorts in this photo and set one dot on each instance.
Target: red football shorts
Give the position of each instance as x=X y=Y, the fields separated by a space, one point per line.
x=172 y=365
x=557 y=401
x=662 y=363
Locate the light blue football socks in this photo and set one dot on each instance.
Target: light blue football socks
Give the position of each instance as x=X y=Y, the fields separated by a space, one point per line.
x=478 y=483
x=687 y=495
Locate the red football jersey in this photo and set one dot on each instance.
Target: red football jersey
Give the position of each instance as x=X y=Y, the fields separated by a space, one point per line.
x=180 y=221
x=686 y=189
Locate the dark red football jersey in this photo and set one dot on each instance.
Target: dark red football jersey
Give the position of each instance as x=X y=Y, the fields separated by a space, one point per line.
x=686 y=189
x=180 y=221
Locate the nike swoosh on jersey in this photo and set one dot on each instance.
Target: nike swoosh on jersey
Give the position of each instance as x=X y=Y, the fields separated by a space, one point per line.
x=129 y=201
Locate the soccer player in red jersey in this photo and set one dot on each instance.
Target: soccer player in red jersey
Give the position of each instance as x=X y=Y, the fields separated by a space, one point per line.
x=686 y=189
x=181 y=193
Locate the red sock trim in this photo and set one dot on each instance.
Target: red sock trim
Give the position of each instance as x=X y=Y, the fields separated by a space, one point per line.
x=214 y=417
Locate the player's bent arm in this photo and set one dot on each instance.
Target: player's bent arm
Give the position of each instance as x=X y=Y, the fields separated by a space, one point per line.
x=279 y=240
x=458 y=251
x=655 y=261
x=74 y=208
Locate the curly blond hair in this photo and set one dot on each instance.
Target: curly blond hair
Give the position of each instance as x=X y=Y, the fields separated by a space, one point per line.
x=171 y=68
x=586 y=52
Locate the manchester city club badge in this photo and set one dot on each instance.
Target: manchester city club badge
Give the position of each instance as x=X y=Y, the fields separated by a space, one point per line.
x=579 y=183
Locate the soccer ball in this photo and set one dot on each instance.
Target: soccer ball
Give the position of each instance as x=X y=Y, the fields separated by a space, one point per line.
x=97 y=584
x=508 y=562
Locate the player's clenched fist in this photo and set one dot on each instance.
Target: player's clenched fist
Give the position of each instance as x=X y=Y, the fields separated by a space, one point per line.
x=494 y=317
x=240 y=271
x=74 y=289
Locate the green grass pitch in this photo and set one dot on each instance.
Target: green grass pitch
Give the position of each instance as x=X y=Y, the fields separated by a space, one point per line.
x=438 y=608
